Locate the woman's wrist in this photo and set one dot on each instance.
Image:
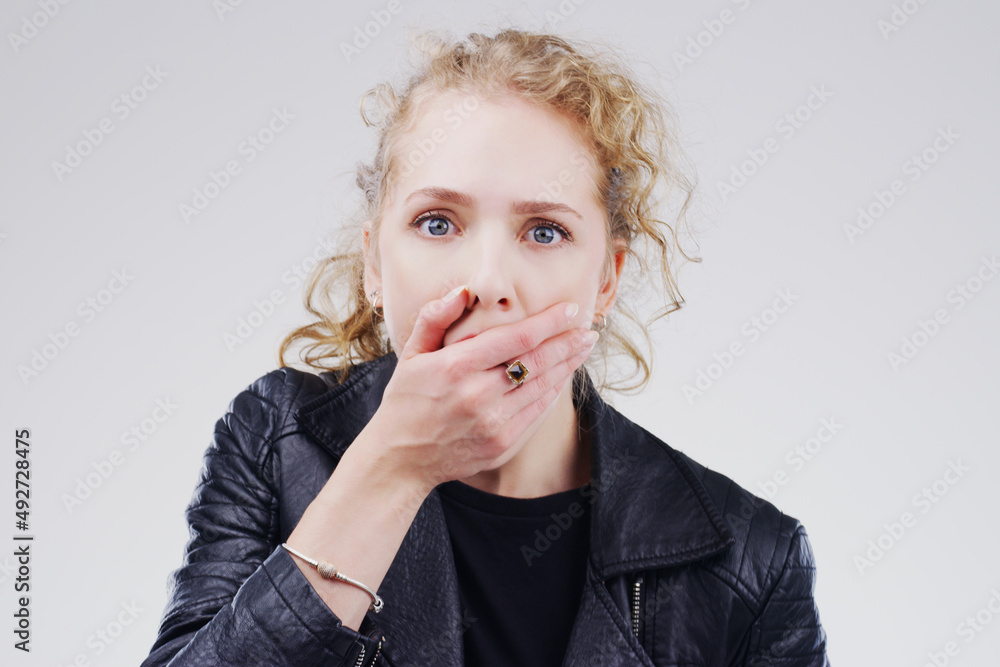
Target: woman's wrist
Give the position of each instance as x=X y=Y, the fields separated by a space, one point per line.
x=378 y=457
x=372 y=480
x=357 y=523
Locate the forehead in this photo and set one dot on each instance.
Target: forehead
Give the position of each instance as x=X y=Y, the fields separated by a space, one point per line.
x=502 y=144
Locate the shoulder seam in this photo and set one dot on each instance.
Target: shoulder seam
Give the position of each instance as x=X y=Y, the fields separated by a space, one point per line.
x=283 y=409
x=767 y=590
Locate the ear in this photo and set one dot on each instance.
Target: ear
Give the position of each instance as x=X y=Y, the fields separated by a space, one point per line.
x=373 y=276
x=609 y=288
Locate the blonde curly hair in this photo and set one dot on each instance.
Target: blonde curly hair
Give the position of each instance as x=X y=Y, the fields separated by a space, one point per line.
x=630 y=130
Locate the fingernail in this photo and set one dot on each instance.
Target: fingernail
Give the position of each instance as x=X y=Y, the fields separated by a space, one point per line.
x=450 y=296
x=589 y=338
x=571 y=310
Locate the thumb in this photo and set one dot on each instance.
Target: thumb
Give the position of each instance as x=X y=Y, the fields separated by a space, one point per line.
x=433 y=321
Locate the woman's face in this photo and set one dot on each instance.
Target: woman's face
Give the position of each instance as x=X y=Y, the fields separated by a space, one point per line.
x=496 y=195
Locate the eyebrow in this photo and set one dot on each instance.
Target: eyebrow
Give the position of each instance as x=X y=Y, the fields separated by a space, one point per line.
x=468 y=201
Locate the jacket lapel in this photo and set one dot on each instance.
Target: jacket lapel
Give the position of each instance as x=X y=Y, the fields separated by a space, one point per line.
x=649 y=508
x=648 y=511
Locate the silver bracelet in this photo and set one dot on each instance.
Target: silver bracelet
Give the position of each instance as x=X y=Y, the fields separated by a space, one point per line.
x=329 y=571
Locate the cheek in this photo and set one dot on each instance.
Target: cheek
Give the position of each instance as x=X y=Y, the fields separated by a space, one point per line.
x=540 y=290
x=400 y=313
x=399 y=300
x=408 y=285
x=579 y=274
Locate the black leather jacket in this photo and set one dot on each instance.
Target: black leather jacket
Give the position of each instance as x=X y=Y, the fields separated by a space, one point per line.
x=686 y=568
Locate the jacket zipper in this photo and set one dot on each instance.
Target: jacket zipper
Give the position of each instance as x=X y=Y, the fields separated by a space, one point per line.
x=636 y=606
x=361 y=656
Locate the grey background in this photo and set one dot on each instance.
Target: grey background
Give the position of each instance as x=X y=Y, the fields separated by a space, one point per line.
x=827 y=357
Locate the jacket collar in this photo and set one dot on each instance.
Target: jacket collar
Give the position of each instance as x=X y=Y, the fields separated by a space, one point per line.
x=649 y=510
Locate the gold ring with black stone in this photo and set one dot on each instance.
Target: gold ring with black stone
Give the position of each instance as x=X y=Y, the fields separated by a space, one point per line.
x=517 y=372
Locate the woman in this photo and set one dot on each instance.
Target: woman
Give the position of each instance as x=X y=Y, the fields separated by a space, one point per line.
x=450 y=495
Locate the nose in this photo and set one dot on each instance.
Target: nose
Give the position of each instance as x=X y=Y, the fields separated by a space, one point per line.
x=492 y=272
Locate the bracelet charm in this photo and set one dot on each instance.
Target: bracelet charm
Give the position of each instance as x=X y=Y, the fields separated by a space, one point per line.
x=328 y=570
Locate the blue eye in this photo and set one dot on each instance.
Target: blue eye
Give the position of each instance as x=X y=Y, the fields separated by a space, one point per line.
x=545 y=234
x=439 y=224
x=435 y=225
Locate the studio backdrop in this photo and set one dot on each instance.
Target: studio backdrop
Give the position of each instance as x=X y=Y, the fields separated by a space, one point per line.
x=172 y=171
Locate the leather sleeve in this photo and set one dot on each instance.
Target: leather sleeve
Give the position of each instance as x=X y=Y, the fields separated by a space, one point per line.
x=788 y=632
x=239 y=598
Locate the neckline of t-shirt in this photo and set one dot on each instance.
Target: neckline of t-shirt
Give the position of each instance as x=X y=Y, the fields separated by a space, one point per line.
x=492 y=503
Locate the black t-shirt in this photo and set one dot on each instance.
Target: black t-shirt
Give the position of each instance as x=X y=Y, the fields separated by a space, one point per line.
x=521 y=564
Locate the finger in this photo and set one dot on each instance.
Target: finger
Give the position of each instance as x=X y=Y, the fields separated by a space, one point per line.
x=533 y=398
x=505 y=343
x=555 y=350
x=433 y=320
